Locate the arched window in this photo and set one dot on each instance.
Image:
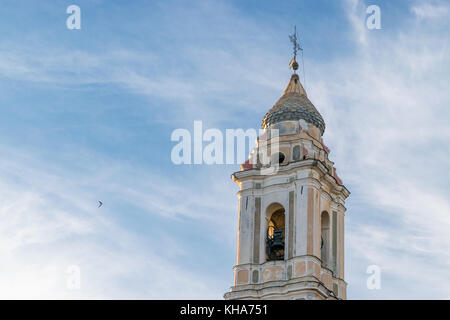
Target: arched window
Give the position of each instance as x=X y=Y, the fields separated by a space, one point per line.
x=278 y=158
x=325 y=238
x=275 y=235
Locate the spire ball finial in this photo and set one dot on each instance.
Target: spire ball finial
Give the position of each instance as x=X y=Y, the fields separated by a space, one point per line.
x=293 y=64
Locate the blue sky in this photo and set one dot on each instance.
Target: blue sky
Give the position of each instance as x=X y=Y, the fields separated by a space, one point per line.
x=87 y=115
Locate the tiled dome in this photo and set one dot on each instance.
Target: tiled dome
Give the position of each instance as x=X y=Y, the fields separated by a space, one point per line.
x=294 y=105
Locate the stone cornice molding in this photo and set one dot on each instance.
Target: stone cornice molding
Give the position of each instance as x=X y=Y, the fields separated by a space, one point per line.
x=291 y=168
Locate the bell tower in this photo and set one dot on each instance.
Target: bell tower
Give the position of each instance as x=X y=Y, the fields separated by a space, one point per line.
x=290 y=240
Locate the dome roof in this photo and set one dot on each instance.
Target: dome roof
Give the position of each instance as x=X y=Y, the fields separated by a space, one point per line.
x=294 y=105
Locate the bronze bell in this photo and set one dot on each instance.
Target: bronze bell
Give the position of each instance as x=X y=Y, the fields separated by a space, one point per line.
x=277 y=243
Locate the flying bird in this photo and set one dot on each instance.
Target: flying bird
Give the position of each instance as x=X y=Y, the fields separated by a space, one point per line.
x=100 y=203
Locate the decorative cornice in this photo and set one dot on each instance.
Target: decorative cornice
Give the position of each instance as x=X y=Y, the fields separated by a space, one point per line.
x=240 y=176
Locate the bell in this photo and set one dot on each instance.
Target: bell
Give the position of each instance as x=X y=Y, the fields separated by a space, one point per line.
x=277 y=243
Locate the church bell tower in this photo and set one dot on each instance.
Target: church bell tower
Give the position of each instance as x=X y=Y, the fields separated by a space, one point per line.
x=290 y=240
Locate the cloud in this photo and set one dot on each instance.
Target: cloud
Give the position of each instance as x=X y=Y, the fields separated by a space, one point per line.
x=356 y=13
x=386 y=108
x=387 y=128
x=51 y=221
x=430 y=11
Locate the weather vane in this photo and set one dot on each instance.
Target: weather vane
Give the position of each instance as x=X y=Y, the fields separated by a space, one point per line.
x=293 y=64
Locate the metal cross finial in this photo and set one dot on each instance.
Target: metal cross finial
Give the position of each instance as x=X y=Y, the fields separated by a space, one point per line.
x=294 y=65
x=293 y=39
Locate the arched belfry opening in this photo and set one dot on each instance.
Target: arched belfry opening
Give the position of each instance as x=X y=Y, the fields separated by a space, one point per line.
x=275 y=233
x=325 y=238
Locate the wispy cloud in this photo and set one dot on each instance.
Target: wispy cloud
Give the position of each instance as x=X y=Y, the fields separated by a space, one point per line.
x=356 y=14
x=50 y=220
x=386 y=109
x=430 y=11
x=387 y=124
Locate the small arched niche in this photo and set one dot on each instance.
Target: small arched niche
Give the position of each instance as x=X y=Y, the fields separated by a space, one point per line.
x=275 y=233
x=278 y=159
x=325 y=238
